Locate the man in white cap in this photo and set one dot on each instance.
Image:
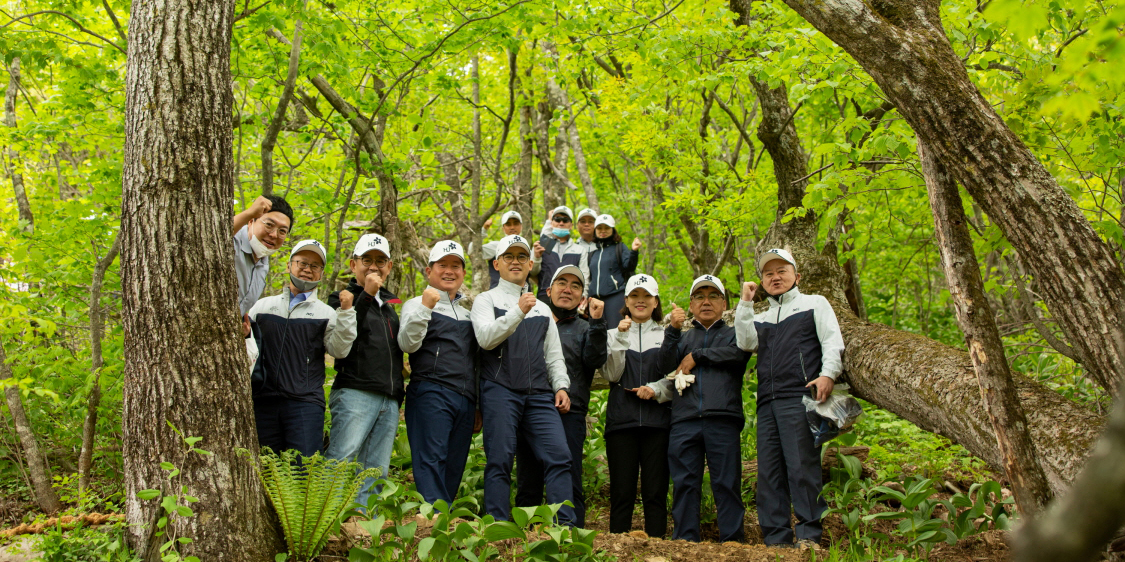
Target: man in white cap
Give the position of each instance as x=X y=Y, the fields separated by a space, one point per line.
x=294 y=330
x=510 y=223
x=801 y=336
x=707 y=415
x=584 y=343
x=585 y=224
x=557 y=248
x=441 y=399
x=524 y=383
x=369 y=386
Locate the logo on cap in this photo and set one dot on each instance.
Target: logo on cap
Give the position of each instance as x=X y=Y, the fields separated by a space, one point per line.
x=516 y=238
x=642 y=279
x=451 y=247
x=708 y=278
x=376 y=240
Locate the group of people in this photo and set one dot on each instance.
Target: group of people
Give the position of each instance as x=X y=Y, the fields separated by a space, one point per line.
x=519 y=366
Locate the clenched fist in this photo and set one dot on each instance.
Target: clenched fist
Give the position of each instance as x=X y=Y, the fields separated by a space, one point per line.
x=538 y=249
x=596 y=308
x=625 y=324
x=678 y=317
x=527 y=302
x=372 y=283
x=636 y=244
x=346 y=298
x=748 y=290
x=430 y=297
x=245 y=326
x=260 y=207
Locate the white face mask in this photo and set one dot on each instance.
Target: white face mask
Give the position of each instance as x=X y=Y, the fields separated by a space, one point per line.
x=260 y=249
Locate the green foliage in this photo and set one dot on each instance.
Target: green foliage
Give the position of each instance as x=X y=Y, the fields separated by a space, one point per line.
x=86 y=544
x=309 y=494
x=175 y=502
x=899 y=448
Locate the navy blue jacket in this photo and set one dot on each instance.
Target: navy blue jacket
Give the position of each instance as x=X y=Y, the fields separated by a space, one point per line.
x=611 y=265
x=720 y=367
x=584 y=349
x=375 y=362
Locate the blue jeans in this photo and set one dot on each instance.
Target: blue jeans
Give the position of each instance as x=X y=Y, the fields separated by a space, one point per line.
x=289 y=424
x=439 y=424
x=506 y=415
x=364 y=424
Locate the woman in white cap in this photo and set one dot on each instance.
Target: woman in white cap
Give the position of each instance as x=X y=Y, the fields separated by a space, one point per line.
x=610 y=265
x=636 y=431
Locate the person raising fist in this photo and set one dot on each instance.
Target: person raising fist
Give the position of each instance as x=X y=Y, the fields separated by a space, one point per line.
x=524 y=383
x=441 y=399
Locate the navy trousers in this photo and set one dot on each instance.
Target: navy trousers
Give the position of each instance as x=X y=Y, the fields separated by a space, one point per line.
x=439 y=425
x=507 y=415
x=788 y=473
x=715 y=439
x=529 y=471
x=289 y=424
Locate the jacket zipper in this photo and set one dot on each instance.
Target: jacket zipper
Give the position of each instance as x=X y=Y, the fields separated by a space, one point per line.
x=773 y=349
x=598 y=287
x=706 y=334
x=804 y=375
x=641 y=349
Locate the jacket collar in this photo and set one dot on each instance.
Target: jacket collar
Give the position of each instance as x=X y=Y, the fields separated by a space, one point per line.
x=287 y=294
x=508 y=288
x=718 y=324
x=787 y=296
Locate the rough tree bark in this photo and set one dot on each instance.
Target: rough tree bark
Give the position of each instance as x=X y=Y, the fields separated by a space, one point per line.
x=184 y=354
x=974 y=315
x=902 y=45
x=270 y=138
x=1077 y=525
x=38 y=471
x=14 y=164
x=580 y=162
x=97 y=329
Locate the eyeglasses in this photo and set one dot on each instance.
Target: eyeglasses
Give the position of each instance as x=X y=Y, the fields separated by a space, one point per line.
x=518 y=258
x=274 y=228
x=377 y=262
x=561 y=219
x=313 y=267
x=574 y=285
x=713 y=297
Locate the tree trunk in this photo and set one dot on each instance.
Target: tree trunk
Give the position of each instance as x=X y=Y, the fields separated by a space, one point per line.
x=778 y=133
x=14 y=164
x=185 y=362
x=524 y=194
x=1077 y=526
x=278 y=119
x=974 y=315
x=97 y=328
x=902 y=45
x=467 y=229
x=580 y=163
x=38 y=470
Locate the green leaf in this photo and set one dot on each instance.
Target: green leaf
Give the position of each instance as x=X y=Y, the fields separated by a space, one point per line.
x=148 y=494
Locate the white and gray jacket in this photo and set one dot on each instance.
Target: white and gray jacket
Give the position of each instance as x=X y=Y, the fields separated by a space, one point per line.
x=441 y=343
x=797 y=339
x=634 y=360
x=521 y=352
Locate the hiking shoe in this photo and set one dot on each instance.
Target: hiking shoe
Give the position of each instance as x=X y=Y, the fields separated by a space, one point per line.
x=808 y=544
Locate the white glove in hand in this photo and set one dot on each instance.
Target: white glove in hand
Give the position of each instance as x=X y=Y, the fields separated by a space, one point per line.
x=682 y=381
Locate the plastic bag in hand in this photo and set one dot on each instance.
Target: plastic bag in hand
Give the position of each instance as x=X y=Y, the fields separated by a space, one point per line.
x=835 y=415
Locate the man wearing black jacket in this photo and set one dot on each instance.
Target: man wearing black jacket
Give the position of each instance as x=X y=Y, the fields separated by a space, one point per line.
x=368 y=389
x=584 y=349
x=707 y=416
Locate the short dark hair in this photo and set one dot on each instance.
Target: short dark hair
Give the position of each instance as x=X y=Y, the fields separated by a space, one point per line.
x=657 y=313
x=280 y=205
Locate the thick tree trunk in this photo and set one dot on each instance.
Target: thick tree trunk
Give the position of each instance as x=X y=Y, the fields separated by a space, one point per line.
x=523 y=193
x=1077 y=526
x=468 y=230
x=185 y=362
x=902 y=45
x=974 y=315
x=38 y=470
x=14 y=164
x=97 y=328
x=580 y=163
x=778 y=133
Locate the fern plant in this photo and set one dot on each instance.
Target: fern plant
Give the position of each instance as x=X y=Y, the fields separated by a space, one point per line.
x=309 y=495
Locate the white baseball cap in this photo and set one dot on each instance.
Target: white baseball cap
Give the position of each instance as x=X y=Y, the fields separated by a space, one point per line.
x=312 y=246
x=775 y=254
x=446 y=248
x=571 y=269
x=707 y=281
x=561 y=209
x=511 y=215
x=642 y=281
x=369 y=242
x=512 y=240
x=587 y=212
x=606 y=220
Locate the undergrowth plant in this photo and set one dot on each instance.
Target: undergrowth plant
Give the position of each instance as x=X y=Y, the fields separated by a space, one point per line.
x=176 y=505
x=309 y=494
